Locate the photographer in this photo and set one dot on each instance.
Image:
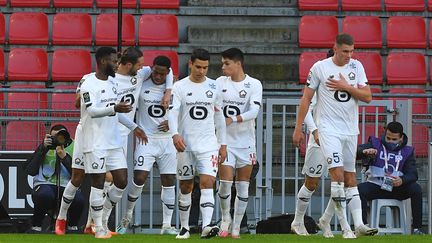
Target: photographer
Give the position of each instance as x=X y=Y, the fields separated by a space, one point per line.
x=52 y=159
x=392 y=172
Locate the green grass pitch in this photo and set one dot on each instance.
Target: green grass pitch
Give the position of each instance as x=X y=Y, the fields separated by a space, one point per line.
x=289 y=238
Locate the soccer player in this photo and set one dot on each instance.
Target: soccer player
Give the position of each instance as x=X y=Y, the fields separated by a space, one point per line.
x=129 y=79
x=101 y=145
x=194 y=115
x=340 y=82
x=242 y=96
x=160 y=149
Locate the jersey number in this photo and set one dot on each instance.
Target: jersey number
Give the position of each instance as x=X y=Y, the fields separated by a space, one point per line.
x=230 y=111
x=156 y=111
x=198 y=112
x=342 y=96
x=186 y=171
x=129 y=98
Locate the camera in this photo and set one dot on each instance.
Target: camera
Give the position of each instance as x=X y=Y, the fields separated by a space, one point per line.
x=61 y=138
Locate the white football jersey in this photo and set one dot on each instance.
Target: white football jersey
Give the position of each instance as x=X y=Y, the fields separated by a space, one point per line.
x=150 y=111
x=129 y=88
x=83 y=114
x=101 y=133
x=336 y=112
x=196 y=104
x=237 y=98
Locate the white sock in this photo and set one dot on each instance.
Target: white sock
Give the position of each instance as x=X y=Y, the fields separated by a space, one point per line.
x=329 y=211
x=68 y=197
x=338 y=196
x=206 y=206
x=96 y=204
x=168 y=204
x=225 y=200
x=303 y=199
x=185 y=201
x=240 y=204
x=354 y=205
x=113 y=196
x=133 y=194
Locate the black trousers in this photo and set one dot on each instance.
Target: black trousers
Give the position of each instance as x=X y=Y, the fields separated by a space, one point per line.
x=369 y=191
x=45 y=198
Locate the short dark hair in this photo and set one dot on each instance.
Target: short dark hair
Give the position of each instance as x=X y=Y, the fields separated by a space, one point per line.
x=103 y=52
x=234 y=54
x=201 y=54
x=58 y=127
x=330 y=53
x=344 y=38
x=131 y=54
x=162 y=61
x=395 y=127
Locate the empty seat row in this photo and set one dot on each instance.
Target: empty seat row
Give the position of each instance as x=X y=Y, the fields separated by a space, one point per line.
x=31 y=64
x=401 y=67
x=366 y=5
x=402 y=31
x=76 y=29
x=149 y=4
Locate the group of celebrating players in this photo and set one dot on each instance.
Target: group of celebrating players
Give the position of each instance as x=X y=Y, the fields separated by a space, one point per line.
x=196 y=126
x=202 y=127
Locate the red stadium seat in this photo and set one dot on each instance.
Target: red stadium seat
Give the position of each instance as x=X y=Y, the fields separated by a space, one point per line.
x=406 y=32
x=27 y=104
x=306 y=61
x=30 y=3
x=70 y=65
x=366 y=31
x=372 y=110
x=114 y=3
x=72 y=29
x=2 y=28
x=150 y=55
x=63 y=105
x=370 y=130
x=28 y=64
x=429 y=5
x=419 y=104
x=28 y=28
x=2 y=2
x=430 y=31
x=372 y=64
x=106 y=29
x=317 y=31
x=157 y=4
x=364 y=5
x=406 y=68
x=158 y=30
x=318 y=5
x=73 y=3
x=24 y=135
x=2 y=66
x=404 y=5
x=420 y=140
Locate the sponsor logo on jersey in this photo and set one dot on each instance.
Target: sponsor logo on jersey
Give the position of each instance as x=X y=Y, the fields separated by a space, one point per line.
x=224 y=90
x=114 y=90
x=189 y=94
x=103 y=91
x=146 y=91
x=133 y=80
x=209 y=94
x=331 y=76
x=242 y=93
x=352 y=65
x=86 y=97
x=351 y=76
x=247 y=85
x=213 y=86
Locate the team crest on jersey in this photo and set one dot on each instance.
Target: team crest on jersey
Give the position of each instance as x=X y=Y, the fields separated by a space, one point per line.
x=329 y=160
x=133 y=80
x=213 y=86
x=189 y=94
x=94 y=165
x=114 y=90
x=224 y=91
x=352 y=65
x=146 y=91
x=242 y=93
x=86 y=97
x=103 y=91
x=209 y=94
x=351 y=76
x=247 y=85
x=311 y=170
